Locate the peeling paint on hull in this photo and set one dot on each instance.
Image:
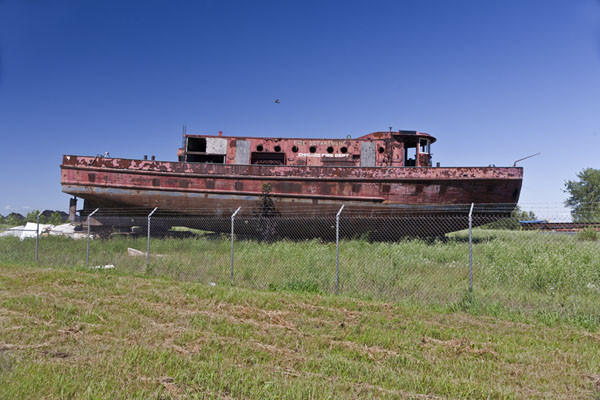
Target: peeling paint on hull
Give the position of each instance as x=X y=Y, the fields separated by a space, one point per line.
x=183 y=186
x=374 y=197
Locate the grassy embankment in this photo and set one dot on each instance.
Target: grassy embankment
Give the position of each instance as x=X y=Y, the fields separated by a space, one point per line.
x=77 y=334
x=523 y=276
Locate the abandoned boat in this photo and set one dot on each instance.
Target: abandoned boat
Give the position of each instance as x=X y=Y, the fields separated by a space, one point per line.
x=378 y=175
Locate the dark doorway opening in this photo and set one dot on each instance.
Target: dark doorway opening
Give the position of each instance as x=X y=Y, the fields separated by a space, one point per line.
x=196 y=144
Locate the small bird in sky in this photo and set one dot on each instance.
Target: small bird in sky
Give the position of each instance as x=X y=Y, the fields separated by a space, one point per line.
x=277 y=101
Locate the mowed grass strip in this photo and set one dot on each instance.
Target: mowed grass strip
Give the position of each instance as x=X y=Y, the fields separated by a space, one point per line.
x=74 y=334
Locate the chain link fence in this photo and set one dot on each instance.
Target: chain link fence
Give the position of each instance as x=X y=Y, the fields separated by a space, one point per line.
x=547 y=263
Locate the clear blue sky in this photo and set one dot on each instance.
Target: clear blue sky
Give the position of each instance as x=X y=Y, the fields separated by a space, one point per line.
x=493 y=80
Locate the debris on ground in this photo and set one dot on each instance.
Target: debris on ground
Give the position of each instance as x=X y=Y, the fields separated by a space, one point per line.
x=137 y=253
x=28 y=231
x=134 y=252
x=107 y=266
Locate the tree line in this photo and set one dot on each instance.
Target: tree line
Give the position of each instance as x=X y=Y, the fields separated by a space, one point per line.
x=15 y=219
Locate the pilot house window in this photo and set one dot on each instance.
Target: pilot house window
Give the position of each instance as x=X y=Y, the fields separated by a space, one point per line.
x=424 y=146
x=410 y=155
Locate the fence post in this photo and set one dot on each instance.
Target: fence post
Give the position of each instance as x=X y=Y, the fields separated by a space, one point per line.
x=337 y=250
x=232 y=223
x=87 y=253
x=37 y=235
x=148 y=249
x=471 y=248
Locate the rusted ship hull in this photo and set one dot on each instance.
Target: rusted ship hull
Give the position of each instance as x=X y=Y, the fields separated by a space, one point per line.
x=216 y=189
x=183 y=186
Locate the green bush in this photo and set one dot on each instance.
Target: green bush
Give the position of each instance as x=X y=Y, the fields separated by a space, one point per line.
x=55 y=219
x=512 y=222
x=32 y=217
x=12 y=220
x=588 y=234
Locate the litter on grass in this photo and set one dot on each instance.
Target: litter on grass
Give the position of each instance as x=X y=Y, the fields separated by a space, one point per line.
x=108 y=266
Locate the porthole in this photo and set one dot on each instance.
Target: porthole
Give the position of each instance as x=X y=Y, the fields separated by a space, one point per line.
x=330 y=149
x=259 y=147
x=344 y=150
x=381 y=150
x=313 y=149
x=295 y=149
x=277 y=148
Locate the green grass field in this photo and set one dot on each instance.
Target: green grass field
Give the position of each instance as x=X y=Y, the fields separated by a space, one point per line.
x=75 y=334
x=522 y=276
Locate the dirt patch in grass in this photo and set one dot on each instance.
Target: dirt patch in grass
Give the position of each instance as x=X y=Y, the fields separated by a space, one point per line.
x=460 y=346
